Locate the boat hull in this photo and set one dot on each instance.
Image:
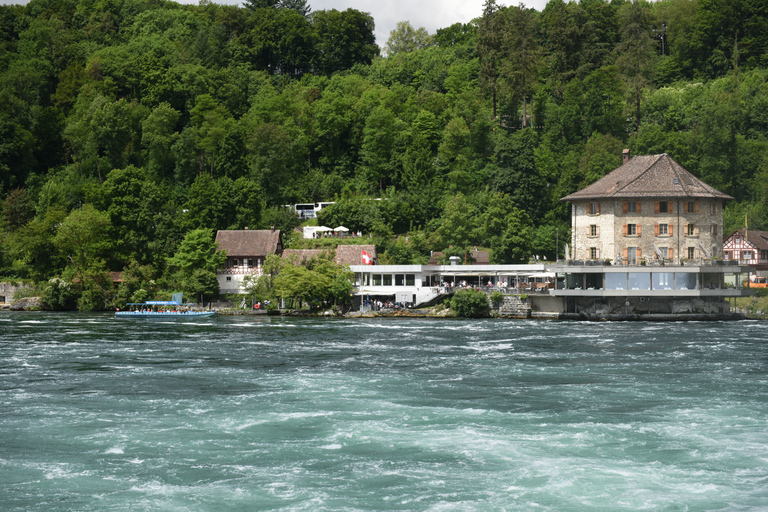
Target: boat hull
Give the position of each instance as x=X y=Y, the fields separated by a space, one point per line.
x=165 y=314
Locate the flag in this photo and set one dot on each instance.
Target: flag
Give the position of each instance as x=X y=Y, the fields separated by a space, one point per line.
x=367 y=260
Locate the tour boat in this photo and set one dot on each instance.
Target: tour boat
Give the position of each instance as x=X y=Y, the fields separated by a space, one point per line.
x=149 y=309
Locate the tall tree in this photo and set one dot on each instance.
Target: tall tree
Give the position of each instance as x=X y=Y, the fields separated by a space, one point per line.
x=490 y=38
x=523 y=53
x=405 y=38
x=637 y=50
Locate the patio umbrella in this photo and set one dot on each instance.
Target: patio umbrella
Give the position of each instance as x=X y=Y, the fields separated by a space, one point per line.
x=341 y=228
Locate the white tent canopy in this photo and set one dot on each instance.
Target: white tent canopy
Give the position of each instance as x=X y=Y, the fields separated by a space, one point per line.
x=323 y=228
x=341 y=228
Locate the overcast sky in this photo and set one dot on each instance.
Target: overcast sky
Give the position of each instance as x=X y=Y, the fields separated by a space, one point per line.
x=430 y=14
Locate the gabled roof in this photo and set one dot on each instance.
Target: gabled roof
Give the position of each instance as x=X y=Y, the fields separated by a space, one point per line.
x=648 y=176
x=353 y=254
x=757 y=238
x=345 y=254
x=249 y=242
x=304 y=255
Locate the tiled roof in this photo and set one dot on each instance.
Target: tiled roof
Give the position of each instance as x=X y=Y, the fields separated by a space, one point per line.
x=250 y=242
x=648 y=176
x=353 y=254
x=481 y=258
x=303 y=255
x=757 y=238
x=345 y=254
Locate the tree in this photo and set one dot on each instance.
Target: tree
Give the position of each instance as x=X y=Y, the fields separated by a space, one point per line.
x=196 y=261
x=522 y=48
x=83 y=238
x=404 y=38
x=18 y=209
x=343 y=39
x=490 y=37
x=636 y=51
x=516 y=242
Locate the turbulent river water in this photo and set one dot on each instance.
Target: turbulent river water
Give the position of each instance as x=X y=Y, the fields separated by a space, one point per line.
x=265 y=413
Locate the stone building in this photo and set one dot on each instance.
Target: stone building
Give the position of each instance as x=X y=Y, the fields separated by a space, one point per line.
x=649 y=209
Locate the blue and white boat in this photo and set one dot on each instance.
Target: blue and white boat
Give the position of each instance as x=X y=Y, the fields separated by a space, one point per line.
x=163 y=309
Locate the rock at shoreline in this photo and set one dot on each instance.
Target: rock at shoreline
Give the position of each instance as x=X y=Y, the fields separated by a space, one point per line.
x=27 y=304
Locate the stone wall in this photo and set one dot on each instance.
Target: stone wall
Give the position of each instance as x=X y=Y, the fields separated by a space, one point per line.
x=611 y=240
x=511 y=306
x=8 y=290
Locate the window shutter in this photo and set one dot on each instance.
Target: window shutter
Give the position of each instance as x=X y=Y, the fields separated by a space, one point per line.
x=670 y=253
x=597 y=254
x=696 y=230
x=638 y=207
x=626 y=254
x=697 y=207
x=598 y=208
x=598 y=230
x=655 y=230
x=639 y=253
x=656 y=206
x=625 y=230
x=670 y=229
x=669 y=207
x=639 y=230
x=626 y=207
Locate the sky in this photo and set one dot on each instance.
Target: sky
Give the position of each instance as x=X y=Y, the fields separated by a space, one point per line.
x=430 y=14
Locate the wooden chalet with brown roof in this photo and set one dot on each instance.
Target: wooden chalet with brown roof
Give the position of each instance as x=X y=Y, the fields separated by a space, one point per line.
x=649 y=208
x=246 y=251
x=747 y=246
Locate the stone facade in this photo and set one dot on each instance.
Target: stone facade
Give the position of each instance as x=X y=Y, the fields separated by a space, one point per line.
x=511 y=306
x=648 y=209
x=690 y=229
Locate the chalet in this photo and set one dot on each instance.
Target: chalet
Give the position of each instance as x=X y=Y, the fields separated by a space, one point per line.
x=246 y=251
x=749 y=247
x=649 y=208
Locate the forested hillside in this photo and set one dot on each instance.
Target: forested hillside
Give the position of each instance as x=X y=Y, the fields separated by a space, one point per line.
x=128 y=125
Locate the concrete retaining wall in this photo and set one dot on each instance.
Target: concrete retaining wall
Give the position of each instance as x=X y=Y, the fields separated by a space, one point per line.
x=8 y=290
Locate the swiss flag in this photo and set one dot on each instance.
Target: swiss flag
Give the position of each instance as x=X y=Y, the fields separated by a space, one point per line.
x=367 y=260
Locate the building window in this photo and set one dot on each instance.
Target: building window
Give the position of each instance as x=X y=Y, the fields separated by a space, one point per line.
x=663 y=230
x=593 y=209
x=594 y=253
x=594 y=230
x=691 y=253
x=631 y=230
x=691 y=207
x=234 y=263
x=664 y=252
x=632 y=254
x=399 y=279
x=631 y=207
x=250 y=263
x=764 y=255
x=713 y=207
x=713 y=230
x=410 y=279
x=727 y=255
x=376 y=279
x=229 y=278
x=690 y=230
x=387 y=280
x=747 y=255
x=663 y=207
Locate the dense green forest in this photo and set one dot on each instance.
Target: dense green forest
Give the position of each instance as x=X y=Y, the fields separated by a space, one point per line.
x=130 y=130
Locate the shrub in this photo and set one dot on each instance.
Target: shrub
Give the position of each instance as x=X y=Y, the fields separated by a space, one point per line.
x=761 y=292
x=497 y=297
x=59 y=295
x=470 y=303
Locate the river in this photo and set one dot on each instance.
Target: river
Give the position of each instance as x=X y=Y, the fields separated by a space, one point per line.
x=295 y=414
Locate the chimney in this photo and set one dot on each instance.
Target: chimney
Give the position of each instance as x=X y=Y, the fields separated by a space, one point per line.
x=272 y=228
x=625 y=154
x=246 y=228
